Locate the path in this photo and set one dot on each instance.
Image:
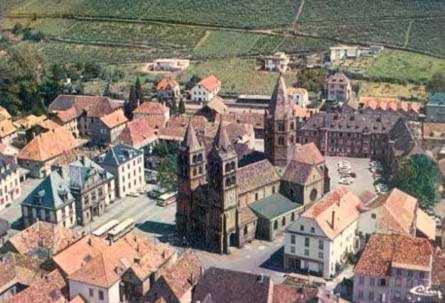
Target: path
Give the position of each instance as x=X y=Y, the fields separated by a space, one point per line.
x=408 y=33
x=299 y=12
x=203 y=39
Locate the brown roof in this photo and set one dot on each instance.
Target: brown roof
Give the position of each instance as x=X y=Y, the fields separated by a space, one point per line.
x=78 y=299
x=287 y=294
x=210 y=83
x=93 y=261
x=298 y=172
x=425 y=224
x=67 y=115
x=138 y=133
x=166 y=84
x=308 y=153
x=151 y=108
x=49 y=145
x=48 y=124
x=338 y=78
x=51 y=288
x=438 y=274
x=178 y=278
x=114 y=119
x=6 y=128
x=256 y=175
x=382 y=252
x=254 y=118
x=93 y=106
x=228 y=286
x=16 y=268
x=343 y=203
x=398 y=210
x=280 y=104
x=217 y=104
x=172 y=133
x=43 y=235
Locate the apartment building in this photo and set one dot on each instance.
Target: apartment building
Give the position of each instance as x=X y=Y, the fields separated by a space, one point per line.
x=206 y=89
x=127 y=165
x=10 y=188
x=338 y=88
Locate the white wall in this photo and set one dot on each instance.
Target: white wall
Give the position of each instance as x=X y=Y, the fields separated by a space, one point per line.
x=111 y=295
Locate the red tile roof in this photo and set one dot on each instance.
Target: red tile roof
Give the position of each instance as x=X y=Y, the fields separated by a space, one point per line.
x=166 y=84
x=210 y=83
x=391 y=104
x=138 y=133
x=114 y=119
x=151 y=108
x=49 y=145
x=382 y=252
x=16 y=268
x=93 y=106
x=287 y=294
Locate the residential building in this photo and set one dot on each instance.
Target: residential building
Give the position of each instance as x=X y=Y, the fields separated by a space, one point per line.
x=390 y=266
x=4 y=230
x=45 y=150
x=99 y=270
x=299 y=96
x=168 y=88
x=107 y=128
x=323 y=235
x=41 y=241
x=229 y=286
x=92 y=187
x=229 y=193
x=206 y=89
x=435 y=107
x=153 y=110
x=127 y=166
x=8 y=131
x=49 y=288
x=177 y=282
x=87 y=109
x=17 y=272
x=396 y=212
x=67 y=118
x=171 y=65
x=277 y=62
x=10 y=188
x=51 y=201
x=338 y=88
x=342 y=52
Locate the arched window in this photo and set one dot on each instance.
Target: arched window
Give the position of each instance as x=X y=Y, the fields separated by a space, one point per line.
x=313 y=195
x=228 y=182
x=194 y=172
x=200 y=169
x=233 y=165
x=227 y=167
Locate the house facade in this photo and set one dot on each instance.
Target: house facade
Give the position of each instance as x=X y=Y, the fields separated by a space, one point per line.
x=167 y=89
x=299 y=96
x=51 y=201
x=10 y=188
x=278 y=62
x=206 y=89
x=126 y=164
x=390 y=266
x=322 y=236
x=338 y=88
x=106 y=129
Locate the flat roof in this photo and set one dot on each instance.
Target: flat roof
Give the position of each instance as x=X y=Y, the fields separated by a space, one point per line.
x=273 y=206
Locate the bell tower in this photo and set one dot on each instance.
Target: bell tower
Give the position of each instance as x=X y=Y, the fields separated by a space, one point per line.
x=191 y=175
x=280 y=126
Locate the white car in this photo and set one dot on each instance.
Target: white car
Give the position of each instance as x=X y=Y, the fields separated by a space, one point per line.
x=345 y=181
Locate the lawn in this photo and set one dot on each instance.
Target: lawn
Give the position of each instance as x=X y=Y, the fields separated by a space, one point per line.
x=379 y=89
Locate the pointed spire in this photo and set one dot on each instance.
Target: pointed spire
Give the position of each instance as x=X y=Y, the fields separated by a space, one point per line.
x=280 y=104
x=222 y=141
x=190 y=139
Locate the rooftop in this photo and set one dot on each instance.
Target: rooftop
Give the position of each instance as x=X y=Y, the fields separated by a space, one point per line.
x=138 y=133
x=210 y=83
x=383 y=252
x=436 y=98
x=151 y=108
x=273 y=206
x=256 y=175
x=114 y=119
x=92 y=106
x=117 y=155
x=6 y=128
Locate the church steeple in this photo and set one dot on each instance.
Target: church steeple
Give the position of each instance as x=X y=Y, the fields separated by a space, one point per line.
x=190 y=140
x=222 y=141
x=280 y=104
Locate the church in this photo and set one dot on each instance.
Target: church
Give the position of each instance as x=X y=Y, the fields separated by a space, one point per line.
x=227 y=197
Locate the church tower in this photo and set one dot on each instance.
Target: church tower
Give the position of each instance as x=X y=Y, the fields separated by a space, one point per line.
x=191 y=175
x=223 y=164
x=279 y=128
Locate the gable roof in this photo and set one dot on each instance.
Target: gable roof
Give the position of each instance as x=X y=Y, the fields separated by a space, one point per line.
x=228 y=286
x=52 y=193
x=273 y=206
x=256 y=175
x=391 y=104
x=425 y=224
x=166 y=84
x=340 y=202
x=299 y=173
x=217 y=104
x=93 y=106
x=43 y=235
x=151 y=108
x=85 y=171
x=29 y=121
x=382 y=252
x=114 y=119
x=210 y=83
x=308 y=153
x=138 y=133
x=49 y=145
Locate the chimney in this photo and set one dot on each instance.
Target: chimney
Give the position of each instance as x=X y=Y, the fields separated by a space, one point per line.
x=90 y=243
x=137 y=260
x=333 y=219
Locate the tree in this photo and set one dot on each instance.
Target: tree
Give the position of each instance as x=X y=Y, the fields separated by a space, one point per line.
x=437 y=82
x=107 y=90
x=418 y=176
x=132 y=103
x=181 y=108
x=138 y=89
x=192 y=82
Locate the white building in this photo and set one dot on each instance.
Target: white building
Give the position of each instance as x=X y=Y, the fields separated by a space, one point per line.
x=170 y=64
x=127 y=166
x=278 y=62
x=322 y=236
x=299 y=96
x=206 y=89
x=10 y=188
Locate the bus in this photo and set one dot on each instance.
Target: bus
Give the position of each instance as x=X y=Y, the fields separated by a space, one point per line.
x=121 y=229
x=166 y=199
x=102 y=230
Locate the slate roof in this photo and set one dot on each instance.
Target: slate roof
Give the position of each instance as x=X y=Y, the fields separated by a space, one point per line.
x=256 y=175
x=4 y=227
x=84 y=171
x=383 y=252
x=117 y=155
x=436 y=98
x=52 y=193
x=228 y=286
x=273 y=206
